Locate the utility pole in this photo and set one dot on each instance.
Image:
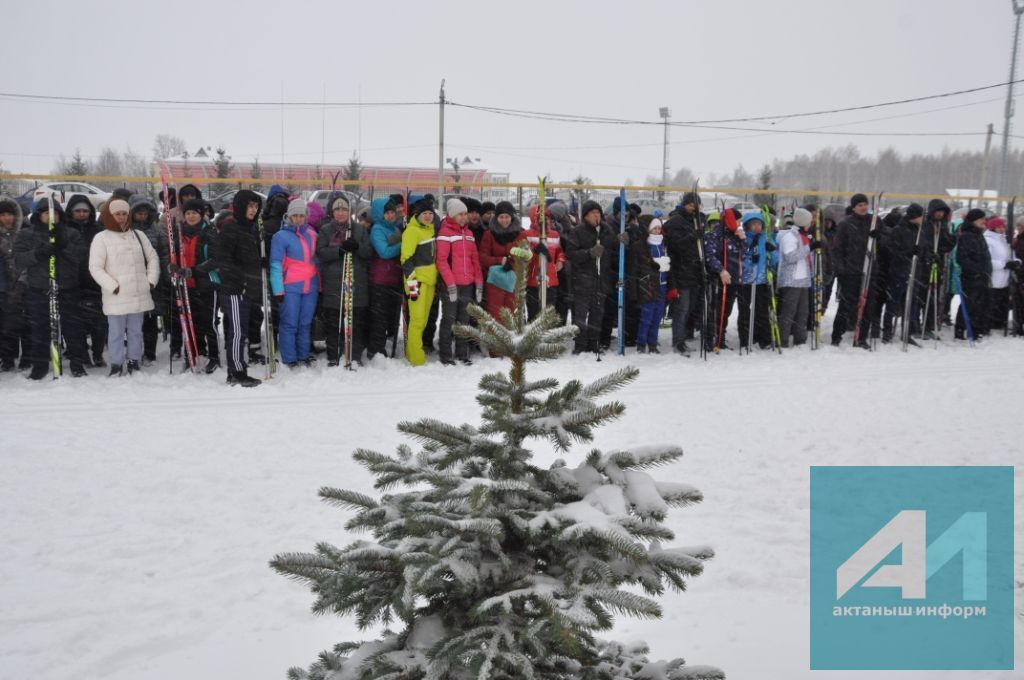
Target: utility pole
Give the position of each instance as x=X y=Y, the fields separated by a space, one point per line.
x=1004 y=184
x=664 y=113
x=440 y=152
x=984 y=165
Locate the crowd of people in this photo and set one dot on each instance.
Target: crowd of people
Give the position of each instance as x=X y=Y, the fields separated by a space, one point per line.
x=350 y=285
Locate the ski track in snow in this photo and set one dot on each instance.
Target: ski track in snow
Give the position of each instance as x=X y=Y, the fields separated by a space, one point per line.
x=139 y=514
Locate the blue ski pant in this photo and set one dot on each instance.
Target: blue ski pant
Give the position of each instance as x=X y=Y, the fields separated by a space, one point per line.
x=293 y=337
x=651 y=315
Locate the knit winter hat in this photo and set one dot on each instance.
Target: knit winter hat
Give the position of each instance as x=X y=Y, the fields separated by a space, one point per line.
x=296 y=207
x=486 y=207
x=802 y=218
x=455 y=207
x=422 y=206
x=973 y=216
x=558 y=210
x=690 y=197
x=339 y=202
x=117 y=205
x=995 y=223
x=857 y=199
x=504 y=208
x=914 y=210
x=655 y=224
x=714 y=216
x=194 y=204
x=752 y=215
x=473 y=205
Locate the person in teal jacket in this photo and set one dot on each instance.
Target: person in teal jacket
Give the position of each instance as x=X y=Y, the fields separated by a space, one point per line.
x=758 y=255
x=295 y=280
x=385 y=274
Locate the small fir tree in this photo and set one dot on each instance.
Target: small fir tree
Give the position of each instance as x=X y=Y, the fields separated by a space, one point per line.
x=485 y=566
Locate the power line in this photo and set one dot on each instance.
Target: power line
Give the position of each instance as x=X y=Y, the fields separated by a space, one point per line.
x=197 y=102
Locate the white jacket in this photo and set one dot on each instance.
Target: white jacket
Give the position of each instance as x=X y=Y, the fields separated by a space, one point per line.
x=1000 y=252
x=126 y=262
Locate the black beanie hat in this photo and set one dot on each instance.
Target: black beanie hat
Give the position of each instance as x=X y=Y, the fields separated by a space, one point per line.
x=973 y=215
x=472 y=205
x=914 y=210
x=504 y=208
x=122 y=193
x=421 y=206
x=635 y=210
x=397 y=198
x=486 y=207
x=196 y=204
x=391 y=205
x=690 y=197
x=857 y=199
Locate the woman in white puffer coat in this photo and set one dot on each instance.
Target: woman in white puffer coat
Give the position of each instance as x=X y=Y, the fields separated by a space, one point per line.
x=127 y=268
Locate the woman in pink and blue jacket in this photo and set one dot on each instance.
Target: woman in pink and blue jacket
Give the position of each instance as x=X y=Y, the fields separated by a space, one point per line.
x=295 y=280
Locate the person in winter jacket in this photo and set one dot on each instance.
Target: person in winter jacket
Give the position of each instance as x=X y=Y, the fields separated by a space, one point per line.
x=895 y=256
x=504 y=234
x=143 y=220
x=126 y=267
x=14 y=329
x=975 y=264
x=235 y=261
x=682 y=230
x=651 y=263
x=82 y=216
x=631 y=310
x=724 y=248
x=852 y=237
x=295 y=281
x=419 y=266
x=1003 y=267
x=32 y=252
x=754 y=291
x=796 y=269
x=474 y=209
x=550 y=248
x=588 y=248
x=561 y=222
x=937 y=241
x=385 y=272
x=338 y=238
x=273 y=218
x=458 y=265
x=196 y=238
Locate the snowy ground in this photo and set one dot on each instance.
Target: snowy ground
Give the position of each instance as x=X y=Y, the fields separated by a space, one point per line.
x=139 y=514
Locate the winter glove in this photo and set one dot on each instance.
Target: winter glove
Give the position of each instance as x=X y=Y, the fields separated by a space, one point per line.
x=507 y=264
x=349 y=245
x=875 y=234
x=817 y=245
x=769 y=246
x=624 y=238
x=671 y=294
x=61 y=239
x=597 y=251
x=264 y=263
x=542 y=250
x=185 y=273
x=655 y=266
x=479 y=294
x=521 y=253
x=414 y=289
x=395 y=237
x=45 y=250
x=755 y=257
x=453 y=293
x=1013 y=265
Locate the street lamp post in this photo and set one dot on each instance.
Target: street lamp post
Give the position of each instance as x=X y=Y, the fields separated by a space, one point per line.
x=664 y=113
x=1004 y=183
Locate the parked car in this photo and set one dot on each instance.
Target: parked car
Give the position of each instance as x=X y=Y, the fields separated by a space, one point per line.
x=355 y=201
x=64 y=192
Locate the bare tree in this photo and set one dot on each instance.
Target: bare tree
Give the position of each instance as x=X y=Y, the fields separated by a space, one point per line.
x=165 y=146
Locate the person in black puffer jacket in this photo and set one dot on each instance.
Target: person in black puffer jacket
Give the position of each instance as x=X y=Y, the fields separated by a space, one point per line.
x=683 y=228
x=235 y=259
x=896 y=252
x=975 y=262
x=851 y=244
x=32 y=252
x=588 y=247
x=82 y=216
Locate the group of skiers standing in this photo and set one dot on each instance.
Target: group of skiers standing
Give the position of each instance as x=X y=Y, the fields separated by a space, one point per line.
x=353 y=281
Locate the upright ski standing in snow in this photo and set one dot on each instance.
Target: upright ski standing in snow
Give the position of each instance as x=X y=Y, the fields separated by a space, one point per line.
x=542 y=228
x=56 y=339
x=179 y=286
x=621 y=287
x=908 y=301
x=269 y=348
x=699 y=228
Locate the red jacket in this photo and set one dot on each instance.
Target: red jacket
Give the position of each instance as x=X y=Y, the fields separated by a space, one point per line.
x=457 y=259
x=493 y=252
x=555 y=255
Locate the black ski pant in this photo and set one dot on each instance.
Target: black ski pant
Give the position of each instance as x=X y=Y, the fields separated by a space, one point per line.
x=385 y=313
x=720 y=322
x=975 y=298
x=15 y=333
x=332 y=323
x=236 y=320
x=38 y=304
x=452 y=312
x=998 y=306
x=762 y=325
x=846 y=314
x=204 y=318
x=94 y=322
x=587 y=316
x=430 y=330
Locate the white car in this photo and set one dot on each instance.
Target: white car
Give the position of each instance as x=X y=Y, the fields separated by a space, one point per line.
x=95 y=195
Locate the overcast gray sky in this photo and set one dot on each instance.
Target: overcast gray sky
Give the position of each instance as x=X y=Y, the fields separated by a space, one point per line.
x=703 y=60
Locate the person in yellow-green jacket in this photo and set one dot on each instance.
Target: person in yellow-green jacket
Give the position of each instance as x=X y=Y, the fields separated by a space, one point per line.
x=420 y=271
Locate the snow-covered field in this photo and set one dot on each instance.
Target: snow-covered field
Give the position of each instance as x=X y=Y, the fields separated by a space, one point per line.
x=139 y=514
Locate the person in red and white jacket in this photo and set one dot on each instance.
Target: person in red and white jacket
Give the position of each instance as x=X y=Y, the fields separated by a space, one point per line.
x=550 y=248
x=458 y=265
